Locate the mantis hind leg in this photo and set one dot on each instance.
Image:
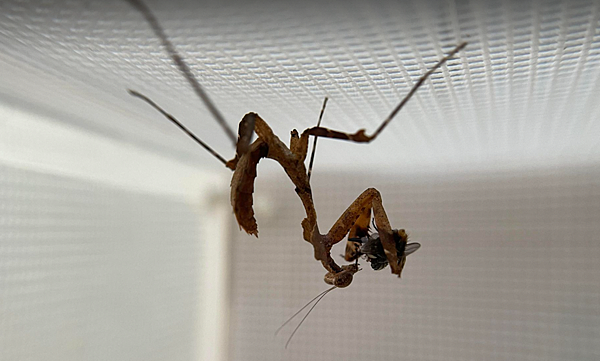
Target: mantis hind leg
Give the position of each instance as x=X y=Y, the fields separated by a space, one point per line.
x=360 y=136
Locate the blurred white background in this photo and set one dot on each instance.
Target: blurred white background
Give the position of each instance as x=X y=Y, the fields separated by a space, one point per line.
x=116 y=235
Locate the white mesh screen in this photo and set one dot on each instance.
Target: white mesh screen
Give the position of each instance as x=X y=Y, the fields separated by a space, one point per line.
x=508 y=269
x=91 y=272
x=523 y=92
x=112 y=247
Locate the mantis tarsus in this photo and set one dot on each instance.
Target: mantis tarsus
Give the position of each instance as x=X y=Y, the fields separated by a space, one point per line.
x=390 y=243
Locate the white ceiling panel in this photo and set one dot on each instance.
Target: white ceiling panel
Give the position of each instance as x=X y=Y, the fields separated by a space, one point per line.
x=524 y=93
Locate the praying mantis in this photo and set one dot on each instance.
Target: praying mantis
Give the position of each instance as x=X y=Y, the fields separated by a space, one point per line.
x=387 y=246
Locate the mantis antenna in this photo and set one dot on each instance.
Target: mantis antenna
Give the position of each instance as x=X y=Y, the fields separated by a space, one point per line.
x=319 y=297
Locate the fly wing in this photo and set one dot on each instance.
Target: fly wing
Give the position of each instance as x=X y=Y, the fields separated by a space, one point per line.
x=411 y=248
x=372 y=247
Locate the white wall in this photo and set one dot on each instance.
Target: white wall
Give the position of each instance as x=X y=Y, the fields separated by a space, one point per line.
x=508 y=270
x=107 y=251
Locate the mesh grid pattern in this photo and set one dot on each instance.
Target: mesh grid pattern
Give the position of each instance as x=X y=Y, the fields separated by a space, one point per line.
x=508 y=267
x=508 y=270
x=523 y=92
x=89 y=272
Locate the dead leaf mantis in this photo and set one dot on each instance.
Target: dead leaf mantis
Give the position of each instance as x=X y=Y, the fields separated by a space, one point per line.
x=388 y=246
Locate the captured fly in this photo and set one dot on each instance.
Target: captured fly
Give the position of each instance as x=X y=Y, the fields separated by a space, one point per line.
x=361 y=242
x=370 y=248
